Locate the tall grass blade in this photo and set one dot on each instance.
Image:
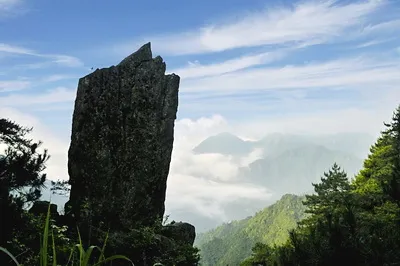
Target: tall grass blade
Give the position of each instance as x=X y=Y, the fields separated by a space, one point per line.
x=10 y=255
x=81 y=249
x=103 y=249
x=84 y=256
x=54 y=250
x=88 y=254
x=44 y=247
x=70 y=256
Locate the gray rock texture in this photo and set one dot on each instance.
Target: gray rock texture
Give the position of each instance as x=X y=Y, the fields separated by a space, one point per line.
x=181 y=232
x=121 y=142
x=41 y=208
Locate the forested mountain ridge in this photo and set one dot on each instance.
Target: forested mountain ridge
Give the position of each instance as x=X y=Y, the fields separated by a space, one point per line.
x=353 y=222
x=230 y=243
x=346 y=221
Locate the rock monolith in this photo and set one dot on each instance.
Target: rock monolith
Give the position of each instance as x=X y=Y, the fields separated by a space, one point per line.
x=121 y=142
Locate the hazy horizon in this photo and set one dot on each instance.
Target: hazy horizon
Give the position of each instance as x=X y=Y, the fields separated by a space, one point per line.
x=215 y=192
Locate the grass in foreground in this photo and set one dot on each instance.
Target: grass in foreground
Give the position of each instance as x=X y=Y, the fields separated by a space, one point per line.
x=84 y=255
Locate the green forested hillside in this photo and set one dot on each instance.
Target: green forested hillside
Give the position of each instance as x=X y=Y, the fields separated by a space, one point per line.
x=353 y=222
x=230 y=243
x=344 y=222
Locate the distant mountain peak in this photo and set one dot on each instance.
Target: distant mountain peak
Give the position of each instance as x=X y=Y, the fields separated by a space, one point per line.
x=226 y=135
x=224 y=143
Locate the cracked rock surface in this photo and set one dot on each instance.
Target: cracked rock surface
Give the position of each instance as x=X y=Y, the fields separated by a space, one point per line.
x=121 y=142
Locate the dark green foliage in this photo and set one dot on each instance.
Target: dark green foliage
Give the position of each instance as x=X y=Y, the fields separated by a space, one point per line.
x=355 y=223
x=60 y=187
x=21 y=180
x=262 y=254
x=21 y=166
x=146 y=246
x=392 y=187
x=48 y=252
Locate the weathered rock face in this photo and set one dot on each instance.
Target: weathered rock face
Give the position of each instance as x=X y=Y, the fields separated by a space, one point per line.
x=122 y=138
x=41 y=208
x=181 y=232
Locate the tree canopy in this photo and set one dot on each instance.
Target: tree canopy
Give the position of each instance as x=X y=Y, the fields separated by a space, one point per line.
x=21 y=177
x=350 y=222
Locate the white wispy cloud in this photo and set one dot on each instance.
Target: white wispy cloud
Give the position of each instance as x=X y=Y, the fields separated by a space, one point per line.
x=13 y=85
x=304 y=22
x=58 y=77
x=304 y=116
x=386 y=27
x=58 y=95
x=9 y=7
x=24 y=83
x=12 y=49
x=196 y=70
x=57 y=59
x=372 y=43
x=4 y=4
x=357 y=72
x=65 y=60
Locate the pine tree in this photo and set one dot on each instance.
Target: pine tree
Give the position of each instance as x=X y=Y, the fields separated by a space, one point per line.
x=357 y=223
x=330 y=193
x=393 y=130
x=21 y=177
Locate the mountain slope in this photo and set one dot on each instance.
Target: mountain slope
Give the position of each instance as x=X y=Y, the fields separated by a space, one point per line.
x=289 y=164
x=277 y=143
x=353 y=143
x=231 y=243
x=294 y=170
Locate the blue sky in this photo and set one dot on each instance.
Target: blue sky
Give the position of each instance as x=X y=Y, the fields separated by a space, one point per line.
x=249 y=67
x=237 y=57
